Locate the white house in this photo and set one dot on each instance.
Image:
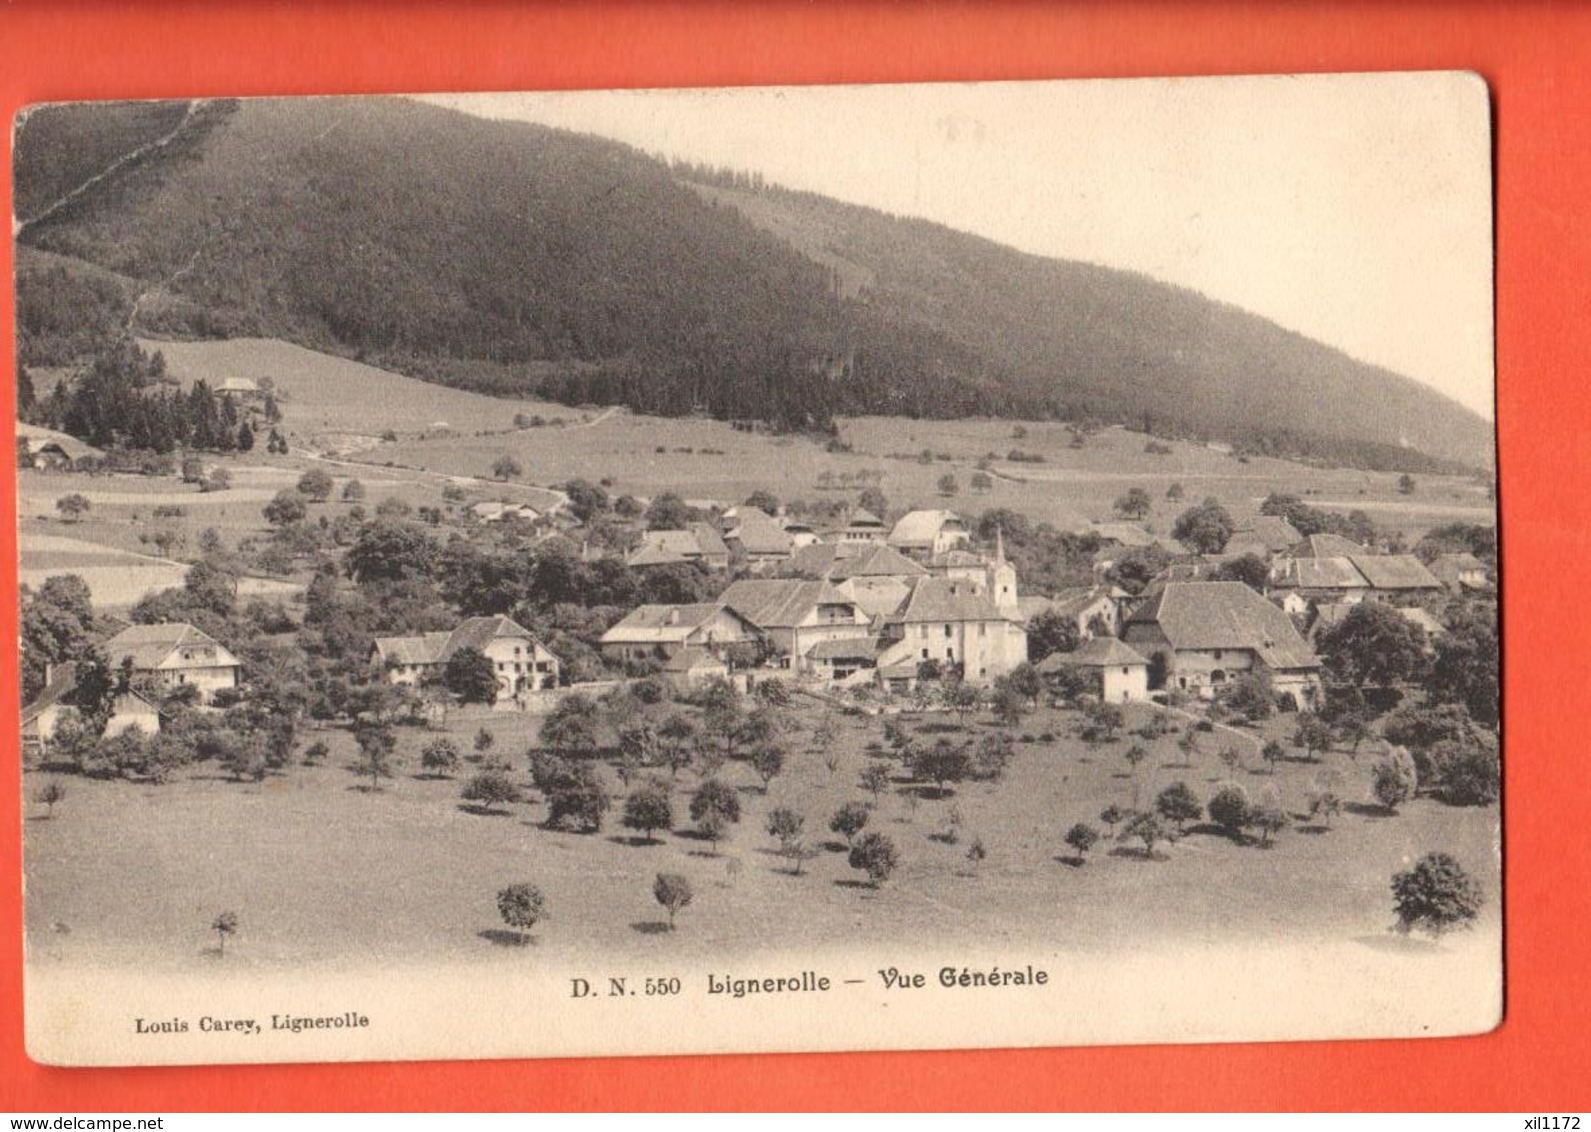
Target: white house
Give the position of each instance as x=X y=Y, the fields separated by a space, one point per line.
x=175 y=655
x=522 y=662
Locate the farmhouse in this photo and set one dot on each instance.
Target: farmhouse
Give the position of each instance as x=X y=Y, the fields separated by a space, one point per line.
x=39 y=718
x=666 y=548
x=1095 y=610
x=861 y=527
x=759 y=539
x=925 y=535
x=1459 y=572
x=957 y=624
x=1119 y=672
x=1207 y=633
x=1263 y=536
x=496 y=511
x=45 y=448
x=523 y=663
x=794 y=615
x=1333 y=569
x=661 y=632
x=175 y=655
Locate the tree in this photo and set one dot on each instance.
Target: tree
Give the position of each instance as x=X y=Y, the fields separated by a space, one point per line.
x=572 y=726
x=72 y=507
x=1082 y=837
x=507 y=468
x=224 y=926
x=1436 y=895
x=1250 y=569
x=1051 y=632
x=941 y=763
x=874 y=854
x=714 y=808
x=285 y=509
x=673 y=891
x=875 y=780
x=1393 y=779
x=316 y=485
x=576 y=796
x=1135 y=504
x=471 y=675
x=668 y=512
x=491 y=788
x=649 y=808
x=1467 y=776
x=872 y=499
x=1204 y=529
x=849 y=820
x=1373 y=645
x=1174 y=492
x=1106 y=720
x=376 y=744
x=767 y=760
x=1406 y=484
x=520 y=906
x=786 y=825
x=1112 y=815
x=1229 y=809
x=1465 y=667
x=48 y=795
x=677 y=734
x=948 y=485
x=1273 y=753
x=1267 y=815
x=1178 y=803
x=1324 y=800
x=1010 y=706
x=765 y=501
x=440 y=757
x=1313 y=734
x=387 y=550
x=1148 y=828
x=961 y=698
x=353 y=492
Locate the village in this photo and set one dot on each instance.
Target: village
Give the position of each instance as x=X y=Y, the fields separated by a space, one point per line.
x=682 y=666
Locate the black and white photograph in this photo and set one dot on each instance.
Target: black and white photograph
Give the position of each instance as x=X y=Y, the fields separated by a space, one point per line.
x=757 y=569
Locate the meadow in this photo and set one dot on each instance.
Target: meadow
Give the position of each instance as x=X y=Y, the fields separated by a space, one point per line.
x=321 y=871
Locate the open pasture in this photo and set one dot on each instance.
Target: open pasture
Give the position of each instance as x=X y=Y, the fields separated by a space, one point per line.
x=322 y=872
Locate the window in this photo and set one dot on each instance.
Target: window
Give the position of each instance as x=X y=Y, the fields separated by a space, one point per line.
x=950 y=654
x=925 y=654
x=947 y=630
x=1217 y=654
x=983 y=630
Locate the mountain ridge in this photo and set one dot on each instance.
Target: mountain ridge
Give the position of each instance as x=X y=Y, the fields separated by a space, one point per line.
x=519 y=259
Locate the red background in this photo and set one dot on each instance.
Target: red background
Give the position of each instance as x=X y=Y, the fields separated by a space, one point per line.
x=1537 y=59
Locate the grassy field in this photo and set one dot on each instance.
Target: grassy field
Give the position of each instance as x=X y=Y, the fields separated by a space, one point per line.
x=321 y=871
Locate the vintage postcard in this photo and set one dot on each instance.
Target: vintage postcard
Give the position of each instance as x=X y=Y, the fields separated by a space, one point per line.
x=757 y=570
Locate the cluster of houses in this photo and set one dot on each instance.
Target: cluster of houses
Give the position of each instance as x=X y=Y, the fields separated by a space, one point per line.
x=868 y=604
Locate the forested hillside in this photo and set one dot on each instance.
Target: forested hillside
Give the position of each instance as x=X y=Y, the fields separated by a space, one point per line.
x=519 y=260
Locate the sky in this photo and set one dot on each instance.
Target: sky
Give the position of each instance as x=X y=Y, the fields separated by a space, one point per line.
x=1355 y=209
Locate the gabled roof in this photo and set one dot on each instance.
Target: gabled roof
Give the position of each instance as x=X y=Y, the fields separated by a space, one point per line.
x=1463 y=560
x=153 y=646
x=1225 y=615
x=1395 y=572
x=816 y=559
x=1100 y=652
x=855 y=648
x=876 y=561
x=438 y=648
x=947 y=600
x=237 y=385
x=780 y=603
x=708 y=538
x=63 y=683
x=1273 y=531
x=862 y=517
x=760 y=536
x=746 y=512
x=920 y=528
x=40 y=438
x=1319 y=573
x=662 y=623
x=1325 y=546
x=1070 y=602
x=662 y=548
